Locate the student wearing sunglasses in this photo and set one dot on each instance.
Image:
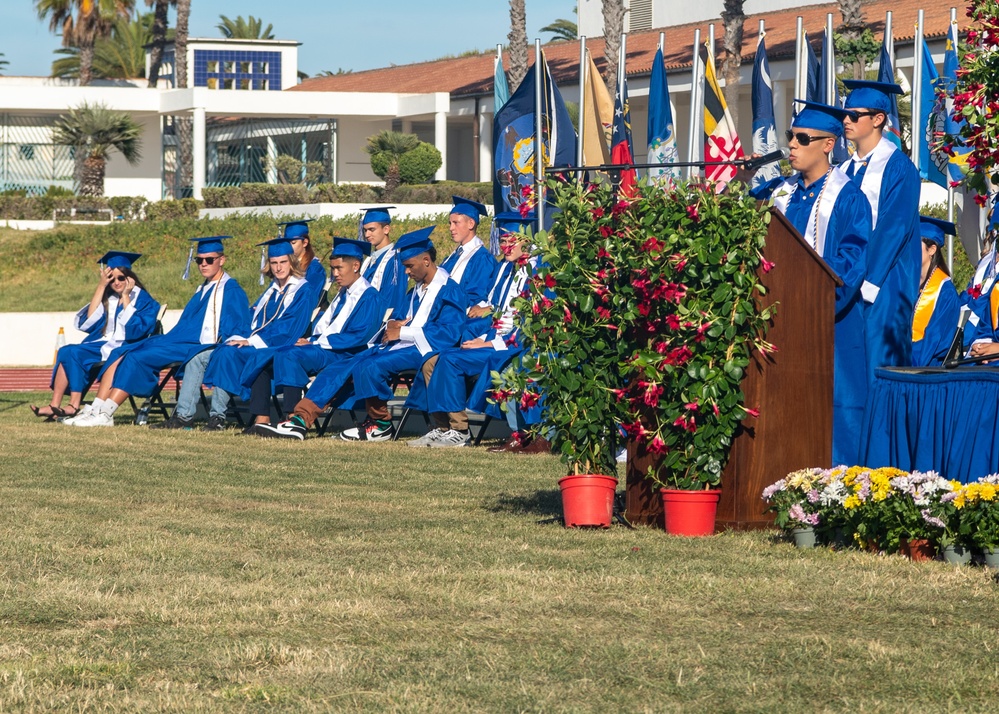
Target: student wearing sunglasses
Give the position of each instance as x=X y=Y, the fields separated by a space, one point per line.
x=218 y=310
x=121 y=311
x=894 y=256
x=834 y=217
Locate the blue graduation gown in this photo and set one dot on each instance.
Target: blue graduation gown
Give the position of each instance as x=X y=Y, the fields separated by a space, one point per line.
x=277 y=323
x=477 y=277
x=315 y=276
x=392 y=283
x=78 y=360
x=138 y=373
x=894 y=261
x=935 y=320
x=845 y=251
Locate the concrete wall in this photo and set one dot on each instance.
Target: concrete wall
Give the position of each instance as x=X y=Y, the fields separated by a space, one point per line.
x=334 y=210
x=143 y=179
x=353 y=162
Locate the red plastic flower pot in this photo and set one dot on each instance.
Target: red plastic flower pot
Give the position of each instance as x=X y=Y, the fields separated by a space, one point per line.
x=588 y=500
x=690 y=513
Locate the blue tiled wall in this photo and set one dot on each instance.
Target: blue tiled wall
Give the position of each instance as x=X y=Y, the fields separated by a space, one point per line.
x=255 y=77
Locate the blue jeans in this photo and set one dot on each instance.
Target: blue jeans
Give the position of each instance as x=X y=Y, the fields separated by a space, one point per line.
x=190 y=389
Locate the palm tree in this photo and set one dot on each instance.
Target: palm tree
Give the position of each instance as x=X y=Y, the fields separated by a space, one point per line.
x=385 y=148
x=852 y=30
x=518 y=44
x=159 y=39
x=95 y=130
x=93 y=19
x=562 y=30
x=120 y=56
x=733 y=18
x=3 y=62
x=184 y=124
x=240 y=29
x=613 y=27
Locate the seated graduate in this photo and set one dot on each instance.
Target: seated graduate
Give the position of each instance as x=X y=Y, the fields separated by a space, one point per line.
x=382 y=268
x=488 y=338
x=278 y=317
x=976 y=296
x=834 y=217
x=470 y=265
x=340 y=333
x=218 y=310
x=120 y=312
x=937 y=307
x=297 y=233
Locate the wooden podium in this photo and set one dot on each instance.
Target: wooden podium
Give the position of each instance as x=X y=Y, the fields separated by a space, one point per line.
x=792 y=388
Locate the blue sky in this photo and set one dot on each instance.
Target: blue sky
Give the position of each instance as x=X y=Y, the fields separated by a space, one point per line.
x=349 y=35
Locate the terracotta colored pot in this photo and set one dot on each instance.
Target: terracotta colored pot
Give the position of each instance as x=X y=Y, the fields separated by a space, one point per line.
x=917 y=548
x=588 y=500
x=690 y=513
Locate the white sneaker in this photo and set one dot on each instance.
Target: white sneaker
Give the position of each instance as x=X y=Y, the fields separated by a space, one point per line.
x=622 y=456
x=428 y=438
x=284 y=430
x=80 y=414
x=451 y=439
x=368 y=431
x=95 y=419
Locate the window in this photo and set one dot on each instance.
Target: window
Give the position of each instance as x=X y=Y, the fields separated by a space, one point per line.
x=212 y=66
x=226 y=84
x=212 y=83
x=227 y=67
x=261 y=67
x=26 y=151
x=244 y=67
x=244 y=84
x=260 y=84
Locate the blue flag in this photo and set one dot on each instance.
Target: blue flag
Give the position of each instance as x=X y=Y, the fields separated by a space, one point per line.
x=513 y=139
x=932 y=121
x=840 y=153
x=662 y=138
x=815 y=92
x=501 y=92
x=958 y=164
x=887 y=74
x=764 y=124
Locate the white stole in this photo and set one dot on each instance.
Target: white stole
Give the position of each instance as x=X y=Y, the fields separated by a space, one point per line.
x=468 y=250
x=213 y=311
x=379 y=275
x=871 y=183
x=835 y=181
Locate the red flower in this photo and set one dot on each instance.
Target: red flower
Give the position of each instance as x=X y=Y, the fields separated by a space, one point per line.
x=526 y=191
x=692 y=213
x=606 y=231
x=604 y=313
x=767 y=265
x=601 y=253
x=752 y=412
x=568 y=315
x=502 y=395
x=658 y=446
x=524 y=209
x=549 y=281
x=652 y=394
x=529 y=399
x=715 y=408
x=535 y=308
x=673 y=322
x=975 y=292
x=597 y=212
x=652 y=245
x=619 y=394
x=692 y=406
x=619 y=208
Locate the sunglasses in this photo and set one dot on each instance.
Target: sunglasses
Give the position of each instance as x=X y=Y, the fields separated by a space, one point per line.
x=118 y=279
x=855 y=116
x=802 y=138
x=205 y=261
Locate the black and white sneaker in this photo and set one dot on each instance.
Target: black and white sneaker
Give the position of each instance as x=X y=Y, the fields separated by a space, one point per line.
x=291 y=429
x=450 y=439
x=174 y=422
x=369 y=430
x=215 y=423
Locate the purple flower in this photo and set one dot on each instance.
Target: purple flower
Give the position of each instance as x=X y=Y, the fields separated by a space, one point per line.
x=931 y=519
x=813 y=496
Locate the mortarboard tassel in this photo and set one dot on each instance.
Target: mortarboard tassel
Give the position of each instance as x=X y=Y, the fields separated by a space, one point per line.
x=494 y=239
x=187 y=268
x=263 y=264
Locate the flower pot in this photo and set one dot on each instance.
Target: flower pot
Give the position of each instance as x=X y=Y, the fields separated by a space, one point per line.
x=690 y=513
x=804 y=537
x=917 y=548
x=957 y=554
x=588 y=500
x=991 y=558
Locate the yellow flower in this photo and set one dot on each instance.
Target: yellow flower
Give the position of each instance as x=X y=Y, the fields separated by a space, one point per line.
x=851 y=502
x=959 y=501
x=988 y=492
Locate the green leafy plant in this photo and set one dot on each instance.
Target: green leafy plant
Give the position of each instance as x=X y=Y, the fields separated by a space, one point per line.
x=420 y=164
x=643 y=316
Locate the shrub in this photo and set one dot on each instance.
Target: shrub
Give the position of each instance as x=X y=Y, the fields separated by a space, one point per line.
x=442 y=191
x=130 y=208
x=172 y=210
x=420 y=164
x=343 y=193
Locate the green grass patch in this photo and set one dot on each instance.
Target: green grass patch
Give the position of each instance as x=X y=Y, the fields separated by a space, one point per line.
x=167 y=571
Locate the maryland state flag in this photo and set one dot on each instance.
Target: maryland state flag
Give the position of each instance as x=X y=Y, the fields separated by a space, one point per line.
x=721 y=141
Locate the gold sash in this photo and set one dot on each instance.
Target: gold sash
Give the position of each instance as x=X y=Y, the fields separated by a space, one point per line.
x=927 y=302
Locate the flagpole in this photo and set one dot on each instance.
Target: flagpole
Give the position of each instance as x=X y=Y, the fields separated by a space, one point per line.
x=583 y=68
x=829 y=62
x=950 y=238
x=539 y=158
x=694 y=99
x=917 y=89
x=662 y=42
x=889 y=39
x=711 y=42
x=799 y=58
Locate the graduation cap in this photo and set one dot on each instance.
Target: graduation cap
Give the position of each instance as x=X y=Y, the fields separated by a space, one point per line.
x=211 y=244
x=414 y=243
x=468 y=207
x=119 y=259
x=936 y=230
x=868 y=94
x=376 y=215
x=274 y=248
x=295 y=229
x=350 y=248
x=820 y=117
x=505 y=223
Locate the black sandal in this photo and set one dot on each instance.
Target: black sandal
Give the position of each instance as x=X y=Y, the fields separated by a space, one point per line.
x=54 y=412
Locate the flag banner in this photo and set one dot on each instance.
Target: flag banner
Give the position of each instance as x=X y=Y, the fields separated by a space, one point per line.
x=887 y=74
x=661 y=136
x=598 y=117
x=815 y=90
x=764 y=124
x=958 y=163
x=721 y=140
x=932 y=122
x=513 y=140
x=621 y=147
x=501 y=91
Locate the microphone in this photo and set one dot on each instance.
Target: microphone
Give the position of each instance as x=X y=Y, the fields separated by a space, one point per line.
x=753 y=164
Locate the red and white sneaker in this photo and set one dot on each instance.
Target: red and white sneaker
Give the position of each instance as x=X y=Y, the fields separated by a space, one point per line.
x=369 y=430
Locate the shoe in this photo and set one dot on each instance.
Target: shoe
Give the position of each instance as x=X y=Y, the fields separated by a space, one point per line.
x=539 y=445
x=284 y=430
x=94 y=419
x=70 y=420
x=622 y=456
x=369 y=430
x=215 y=423
x=174 y=422
x=427 y=439
x=513 y=445
x=251 y=429
x=451 y=439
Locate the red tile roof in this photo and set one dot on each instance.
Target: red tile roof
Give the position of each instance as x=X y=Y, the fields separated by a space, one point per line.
x=473 y=75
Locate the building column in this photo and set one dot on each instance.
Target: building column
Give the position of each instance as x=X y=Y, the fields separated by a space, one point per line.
x=780 y=109
x=440 y=141
x=485 y=147
x=198 y=152
x=272 y=176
